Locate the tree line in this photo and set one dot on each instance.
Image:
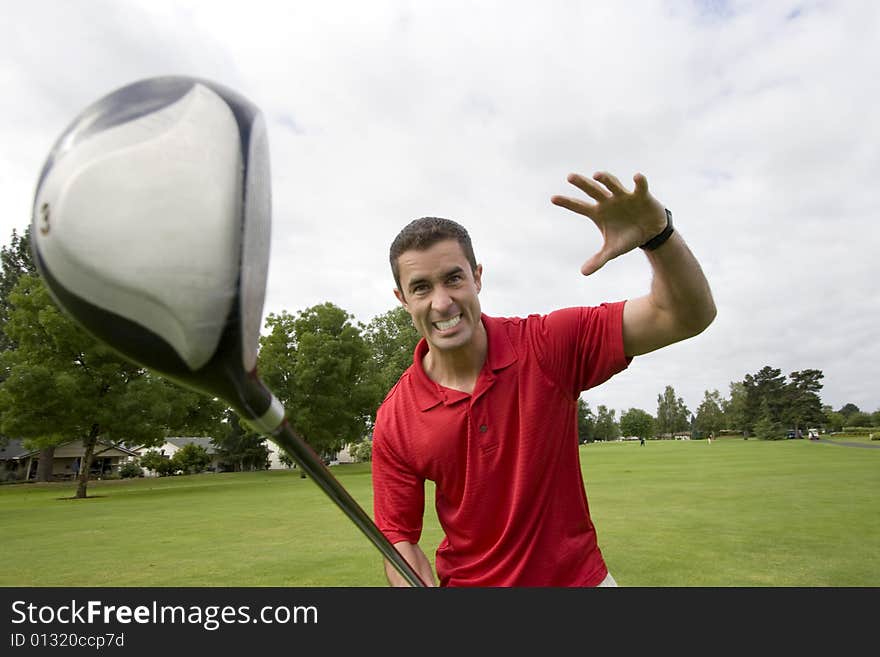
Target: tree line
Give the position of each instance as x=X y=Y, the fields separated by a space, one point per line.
x=58 y=384
x=765 y=405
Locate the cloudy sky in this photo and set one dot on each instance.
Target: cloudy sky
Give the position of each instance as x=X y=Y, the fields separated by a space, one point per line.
x=756 y=123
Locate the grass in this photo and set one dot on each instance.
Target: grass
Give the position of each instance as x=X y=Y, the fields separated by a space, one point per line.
x=854 y=438
x=671 y=513
x=737 y=513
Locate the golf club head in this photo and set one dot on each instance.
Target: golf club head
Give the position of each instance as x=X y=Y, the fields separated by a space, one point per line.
x=151 y=228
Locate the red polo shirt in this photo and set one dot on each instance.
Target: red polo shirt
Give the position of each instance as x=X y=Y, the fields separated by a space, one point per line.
x=509 y=492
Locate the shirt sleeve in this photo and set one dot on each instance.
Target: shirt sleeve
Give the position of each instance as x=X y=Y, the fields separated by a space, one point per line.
x=580 y=348
x=398 y=492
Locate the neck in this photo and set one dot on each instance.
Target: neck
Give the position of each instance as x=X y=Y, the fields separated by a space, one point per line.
x=459 y=368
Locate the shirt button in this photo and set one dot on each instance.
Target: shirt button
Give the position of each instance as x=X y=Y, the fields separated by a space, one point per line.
x=483 y=428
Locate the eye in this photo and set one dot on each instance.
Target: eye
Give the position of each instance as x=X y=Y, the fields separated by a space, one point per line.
x=419 y=289
x=455 y=279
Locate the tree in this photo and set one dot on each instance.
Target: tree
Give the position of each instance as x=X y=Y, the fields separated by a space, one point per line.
x=767 y=385
x=848 y=409
x=858 y=420
x=735 y=409
x=636 y=422
x=60 y=384
x=710 y=418
x=853 y=416
x=586 y=421
x=317 y=364
x=606 y=425
x=672 y=414
x=803 y=405
x=766 y=427
x=834 y=421
x=15 y=262
x=191 y=458
x=392 y=339
x=240 y=448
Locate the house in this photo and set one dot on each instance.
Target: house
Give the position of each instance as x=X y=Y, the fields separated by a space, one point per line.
x=342 y=456
x=172 y=445
x=17 y=462
x=274 y=456
x=12 y=466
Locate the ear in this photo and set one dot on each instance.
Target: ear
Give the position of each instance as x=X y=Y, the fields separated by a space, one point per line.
x=478 y=278
x=401 y=298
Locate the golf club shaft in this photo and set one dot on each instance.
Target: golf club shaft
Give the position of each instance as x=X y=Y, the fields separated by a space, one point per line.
x=305 y=456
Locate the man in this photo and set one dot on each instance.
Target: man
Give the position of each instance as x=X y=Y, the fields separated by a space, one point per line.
x=488 y=409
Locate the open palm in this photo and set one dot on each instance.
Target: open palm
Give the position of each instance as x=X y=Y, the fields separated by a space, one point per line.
x=625 y=219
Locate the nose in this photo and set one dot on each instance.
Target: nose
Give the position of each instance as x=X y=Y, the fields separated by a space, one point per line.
x=441 y=301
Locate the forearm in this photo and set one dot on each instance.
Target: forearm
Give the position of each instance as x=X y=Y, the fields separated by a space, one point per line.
x=679 y=289
x=678 y=306
x=415 y=558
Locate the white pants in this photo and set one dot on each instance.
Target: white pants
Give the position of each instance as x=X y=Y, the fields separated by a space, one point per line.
x=608 y=581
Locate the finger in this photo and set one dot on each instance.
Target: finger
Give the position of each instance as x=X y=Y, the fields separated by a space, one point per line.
x=589 y=187
x=594 y=264
x=575 y=205
x=641 y=183
x=611 y=182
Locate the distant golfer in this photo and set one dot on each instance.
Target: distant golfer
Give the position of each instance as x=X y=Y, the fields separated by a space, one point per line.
x=488 y=409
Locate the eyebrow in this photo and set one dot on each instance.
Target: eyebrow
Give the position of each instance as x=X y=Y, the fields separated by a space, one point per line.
x=419 y=281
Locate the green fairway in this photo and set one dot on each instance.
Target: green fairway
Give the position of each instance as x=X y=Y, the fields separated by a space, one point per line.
x=672 y=513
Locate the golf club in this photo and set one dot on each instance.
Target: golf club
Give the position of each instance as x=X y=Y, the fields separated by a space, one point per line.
x=151 y=228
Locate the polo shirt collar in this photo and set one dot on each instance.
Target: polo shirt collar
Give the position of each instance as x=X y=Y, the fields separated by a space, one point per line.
x=499 y=355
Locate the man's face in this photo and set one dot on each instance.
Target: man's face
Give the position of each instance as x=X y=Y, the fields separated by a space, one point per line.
x=440 y=292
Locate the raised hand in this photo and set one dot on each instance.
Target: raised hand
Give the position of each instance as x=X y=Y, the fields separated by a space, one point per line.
x=625 y=219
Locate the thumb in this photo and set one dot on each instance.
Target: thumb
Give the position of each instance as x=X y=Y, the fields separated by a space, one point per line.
x=594 y=264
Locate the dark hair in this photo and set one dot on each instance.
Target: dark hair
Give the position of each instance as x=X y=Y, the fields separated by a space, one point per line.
x=424 y=233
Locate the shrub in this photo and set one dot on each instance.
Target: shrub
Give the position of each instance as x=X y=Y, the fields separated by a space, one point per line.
x=130 y=469
x=159 y=464
x=8 y=476
x=361 y=452
x=191 y=458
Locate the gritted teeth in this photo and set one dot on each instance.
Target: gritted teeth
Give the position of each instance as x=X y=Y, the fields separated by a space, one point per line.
x=447 y=324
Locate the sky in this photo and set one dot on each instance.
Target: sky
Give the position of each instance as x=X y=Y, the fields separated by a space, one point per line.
x=756 y=123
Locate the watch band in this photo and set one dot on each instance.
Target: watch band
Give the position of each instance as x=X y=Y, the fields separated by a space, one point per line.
x=657 y=240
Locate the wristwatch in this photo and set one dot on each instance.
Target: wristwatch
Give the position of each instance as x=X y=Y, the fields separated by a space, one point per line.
x=657 y=240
